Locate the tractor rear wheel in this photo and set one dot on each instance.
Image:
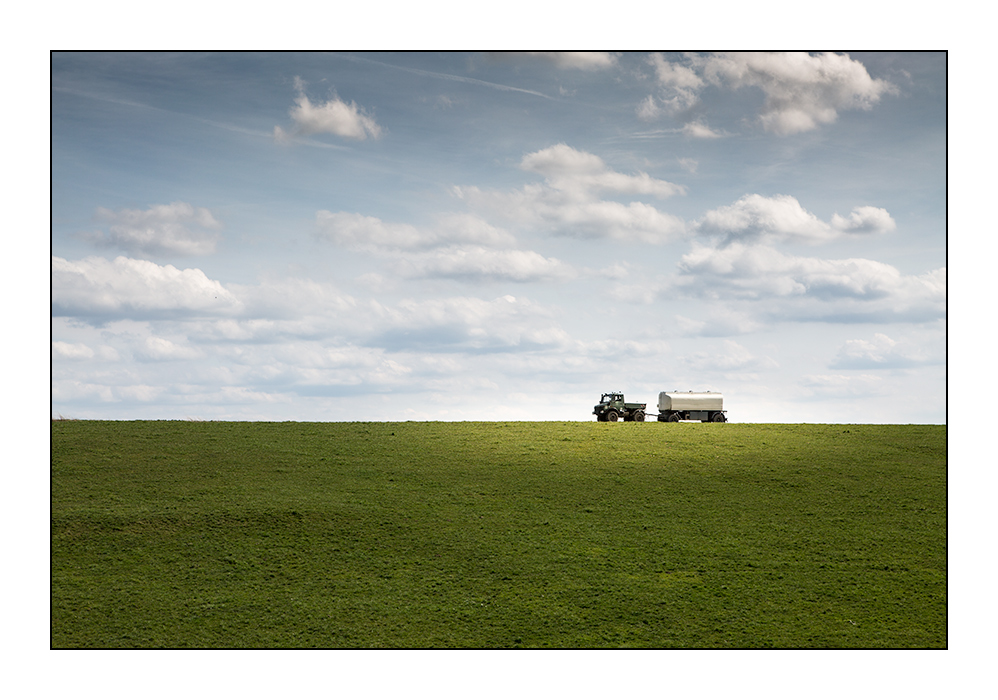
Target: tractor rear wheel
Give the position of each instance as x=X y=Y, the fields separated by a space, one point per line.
x=639 y=416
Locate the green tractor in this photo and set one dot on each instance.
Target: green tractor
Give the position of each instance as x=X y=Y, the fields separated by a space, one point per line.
x=611 y=407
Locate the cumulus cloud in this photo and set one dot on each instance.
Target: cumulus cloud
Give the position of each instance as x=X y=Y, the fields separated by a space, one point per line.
x=163 y=229
x=882 y=352
x=842 y=386
x=579 y=173
x=782 y=218
x=129 y=288
x=675 y=75
x=292 y=298
x=321 y=369
x=333 y=116
x=719 y=322
x=158 y=349
x=569 y=203
x=727 y=356
x=698 y=129
x=680 y=87
x=864 y=220
x=71 y=351
x=470 y=324
x=802 y=91
x=757 y=271
x=614 y=349
x=81 y=351
x=481 y=264
x=74 y=390
x=566 y=216
x=582 y=60
x=689 y=164
x=855 y=288
x=366 y=348
x=648 y=109
x=370 y=233
x=458 y=246
x=276 y=311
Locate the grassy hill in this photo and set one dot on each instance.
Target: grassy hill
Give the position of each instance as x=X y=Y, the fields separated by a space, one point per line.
x=488 y=535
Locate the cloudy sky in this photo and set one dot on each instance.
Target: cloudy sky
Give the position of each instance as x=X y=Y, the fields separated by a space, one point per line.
x=458 y=236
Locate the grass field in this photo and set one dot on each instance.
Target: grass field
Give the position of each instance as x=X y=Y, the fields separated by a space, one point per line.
x=496 y=535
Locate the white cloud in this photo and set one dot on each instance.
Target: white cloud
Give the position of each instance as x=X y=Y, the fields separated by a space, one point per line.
x=568 y=202
x=759 y=271
x=843 y=386
x=78 y=351
x=698 y=129
x=648 y=109
x=71 y=351
x=292 y=298
x=864 y=220
x=640 y=293
x=469 y=324
x=371 y=234
x=358 y=231
x=582 y=60
x=481 y=264
x=277 y=311
x=674 y=75
x=125 y=287
x=680 y=86
x=802 y=91
x=726 y=356
x=853 y=288
x=318 y=368
x=69 y=390
x=883 y=352
x=616 y=348
x=720 y=321
x=459 y=246
x=161 y=349
x=579 y=173
x=616 y=271
x=689 y=165
x=782 y=218
x=164 y=229
x=331 y=117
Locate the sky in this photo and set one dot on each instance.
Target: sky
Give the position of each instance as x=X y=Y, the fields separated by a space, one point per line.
x=494 y=236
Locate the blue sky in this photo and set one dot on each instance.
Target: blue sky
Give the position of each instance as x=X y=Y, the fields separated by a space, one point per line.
x=458 y=236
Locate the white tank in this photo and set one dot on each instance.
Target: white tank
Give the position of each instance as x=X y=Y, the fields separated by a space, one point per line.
x=690 y=401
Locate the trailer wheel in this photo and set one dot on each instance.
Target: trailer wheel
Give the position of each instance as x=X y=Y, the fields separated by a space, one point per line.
x=672 y=418
x=612 y=416
x=719 y=418
x=639 y=416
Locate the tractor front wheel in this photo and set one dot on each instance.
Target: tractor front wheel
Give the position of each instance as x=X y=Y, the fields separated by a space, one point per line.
x=612 y=416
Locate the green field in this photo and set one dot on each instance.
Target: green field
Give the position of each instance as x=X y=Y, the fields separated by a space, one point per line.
x=497 y=535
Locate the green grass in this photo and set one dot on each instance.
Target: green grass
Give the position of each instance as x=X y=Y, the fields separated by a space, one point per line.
x=493 y=535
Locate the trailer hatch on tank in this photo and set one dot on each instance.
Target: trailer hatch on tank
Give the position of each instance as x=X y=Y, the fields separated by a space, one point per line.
x=706 y=406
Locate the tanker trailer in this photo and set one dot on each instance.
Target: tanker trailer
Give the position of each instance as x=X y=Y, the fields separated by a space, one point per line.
x=704 y=406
